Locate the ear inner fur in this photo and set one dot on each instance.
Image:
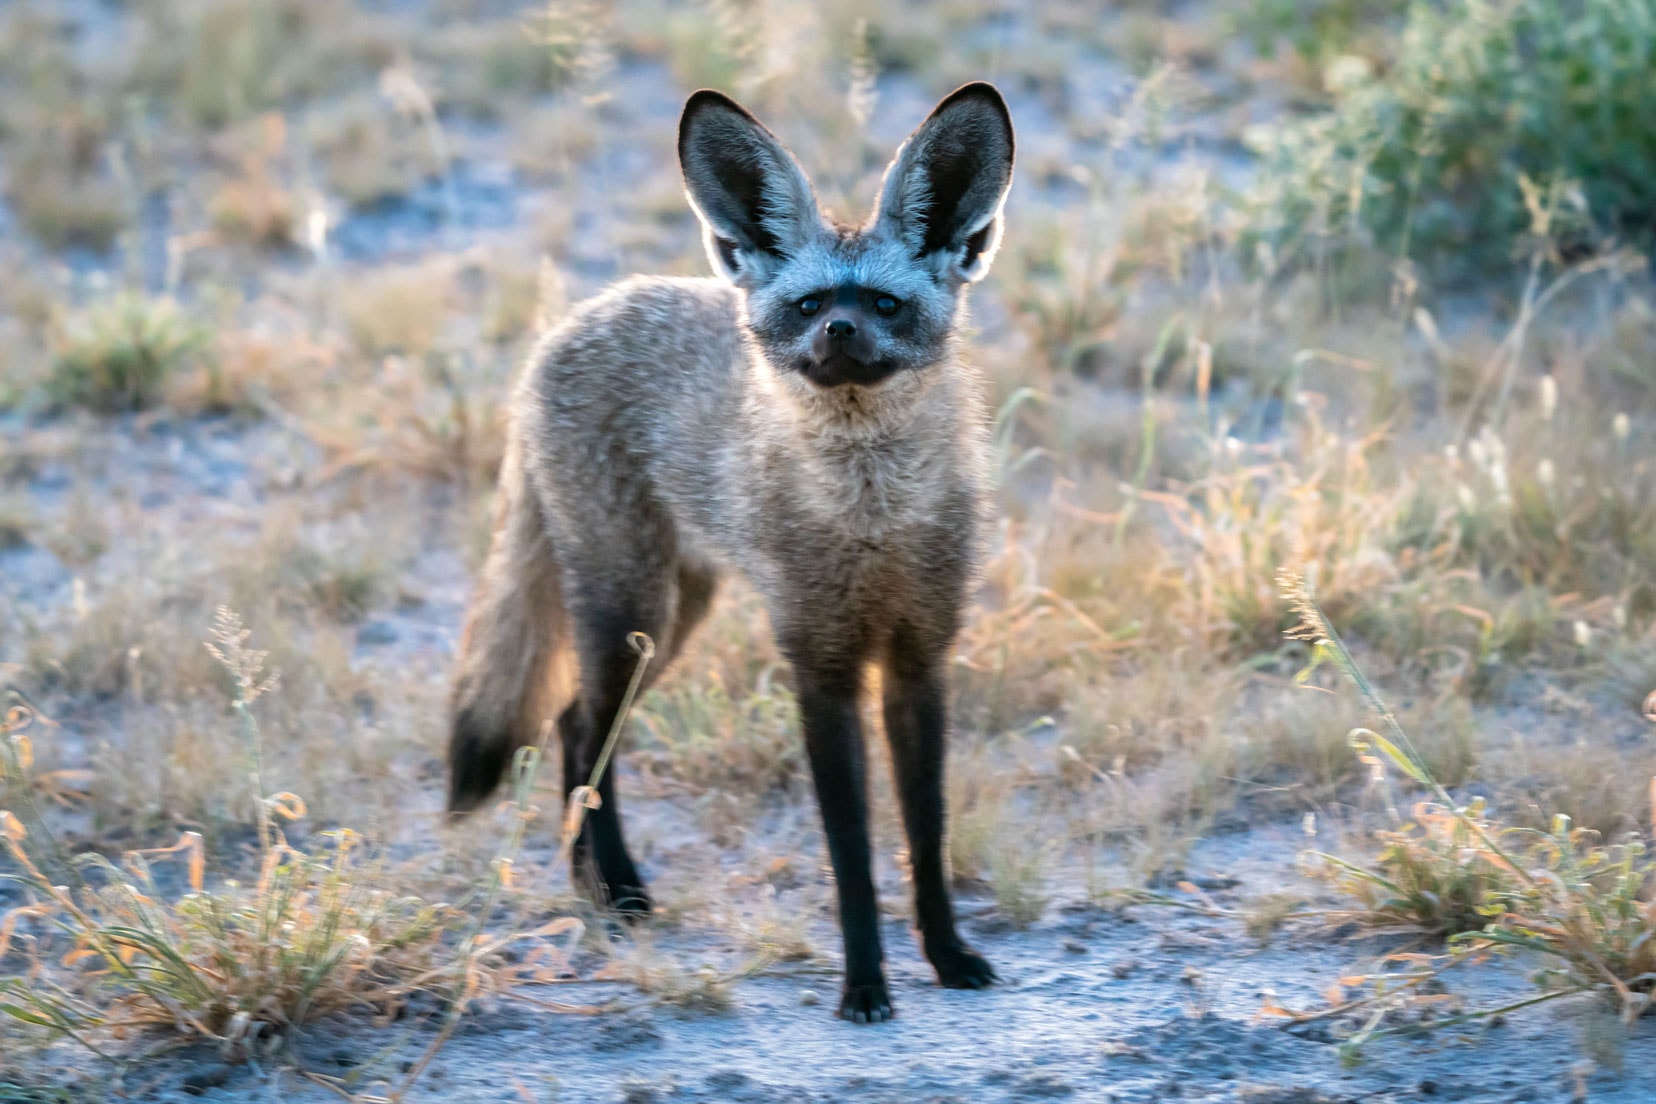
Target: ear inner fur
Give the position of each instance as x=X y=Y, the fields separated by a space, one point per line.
x=753 y=198
x=944 y=190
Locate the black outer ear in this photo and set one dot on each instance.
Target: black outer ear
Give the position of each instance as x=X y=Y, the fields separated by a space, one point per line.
x=754 y=201
x=944 y=190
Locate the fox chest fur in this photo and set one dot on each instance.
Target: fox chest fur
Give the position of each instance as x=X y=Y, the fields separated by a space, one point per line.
x=872 y=525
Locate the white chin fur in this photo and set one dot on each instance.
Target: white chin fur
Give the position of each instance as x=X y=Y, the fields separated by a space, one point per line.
x=856 y=409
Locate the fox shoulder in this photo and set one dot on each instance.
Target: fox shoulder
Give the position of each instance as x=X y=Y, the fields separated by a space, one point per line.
x=654 y=318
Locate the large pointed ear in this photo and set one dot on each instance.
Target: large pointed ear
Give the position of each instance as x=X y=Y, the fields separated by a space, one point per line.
x=943 y=193
x=754 y=201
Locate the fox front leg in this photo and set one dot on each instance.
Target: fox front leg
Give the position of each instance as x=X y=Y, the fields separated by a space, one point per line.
x=916 y=724
x=834 y=743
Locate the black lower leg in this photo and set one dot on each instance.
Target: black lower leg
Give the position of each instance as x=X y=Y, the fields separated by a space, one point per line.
x=834 y=743
x=601 y=862
x=916 y=722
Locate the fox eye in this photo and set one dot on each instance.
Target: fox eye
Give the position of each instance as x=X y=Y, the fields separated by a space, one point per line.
x=809 y=305
x=886 y=305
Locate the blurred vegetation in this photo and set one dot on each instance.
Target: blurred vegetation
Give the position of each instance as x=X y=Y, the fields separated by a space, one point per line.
x=1424 y=157
x=118 y=354
x=1318 y=30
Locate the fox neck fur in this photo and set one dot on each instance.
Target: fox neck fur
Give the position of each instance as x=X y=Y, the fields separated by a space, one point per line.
x=871 y=458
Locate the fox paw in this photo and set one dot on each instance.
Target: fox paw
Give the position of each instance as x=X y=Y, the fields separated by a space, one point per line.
x=866 y=1003
x=960 y=967
x=632 y=902
x=624 y=895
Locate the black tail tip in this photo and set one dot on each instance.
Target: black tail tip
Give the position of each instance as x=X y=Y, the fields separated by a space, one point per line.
x=477 y=761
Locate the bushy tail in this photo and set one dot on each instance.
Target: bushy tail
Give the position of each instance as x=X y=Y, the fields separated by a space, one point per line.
x=510 y=651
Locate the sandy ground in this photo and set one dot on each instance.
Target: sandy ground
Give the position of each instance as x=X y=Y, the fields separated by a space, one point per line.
x=1145 y=1005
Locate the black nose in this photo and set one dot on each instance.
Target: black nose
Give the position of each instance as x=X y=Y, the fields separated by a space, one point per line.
x=841 y=328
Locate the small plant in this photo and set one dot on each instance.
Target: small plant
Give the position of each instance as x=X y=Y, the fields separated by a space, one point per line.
x=1431 y=875
x=1017 y=877
x=1066 y=296
x=1590 y=912
x=1245 y=514
x=482 y=66
x=991 y=845
x=118 y=355
x=64 y=201
x=1585 y=907
x=702 y=988
x=314 y=933
x=311 y=934
x=252 y=206
x=710 y=738
x=1068 y=276
x=343 y=584
x=433 y=415
x=367 y=153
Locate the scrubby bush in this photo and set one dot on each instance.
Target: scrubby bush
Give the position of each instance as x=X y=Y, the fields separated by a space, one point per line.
x=1316 y=30
x=118 y=354
x=1429 y=158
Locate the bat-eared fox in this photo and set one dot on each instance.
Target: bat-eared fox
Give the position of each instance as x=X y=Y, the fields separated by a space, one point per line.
x=804 y=419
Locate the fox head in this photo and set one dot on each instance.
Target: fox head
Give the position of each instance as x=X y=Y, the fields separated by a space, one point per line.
x=832 y=305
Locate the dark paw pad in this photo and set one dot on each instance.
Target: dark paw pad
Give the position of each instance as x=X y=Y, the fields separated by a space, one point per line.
x=866 y=1004
x=963 y=968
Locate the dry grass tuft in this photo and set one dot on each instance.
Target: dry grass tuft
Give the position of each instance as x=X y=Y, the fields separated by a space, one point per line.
x=313 y=932
x=316 y=931
x=252 y=205
x=1431 y=875
x=119 y=354
x=1584 y=906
